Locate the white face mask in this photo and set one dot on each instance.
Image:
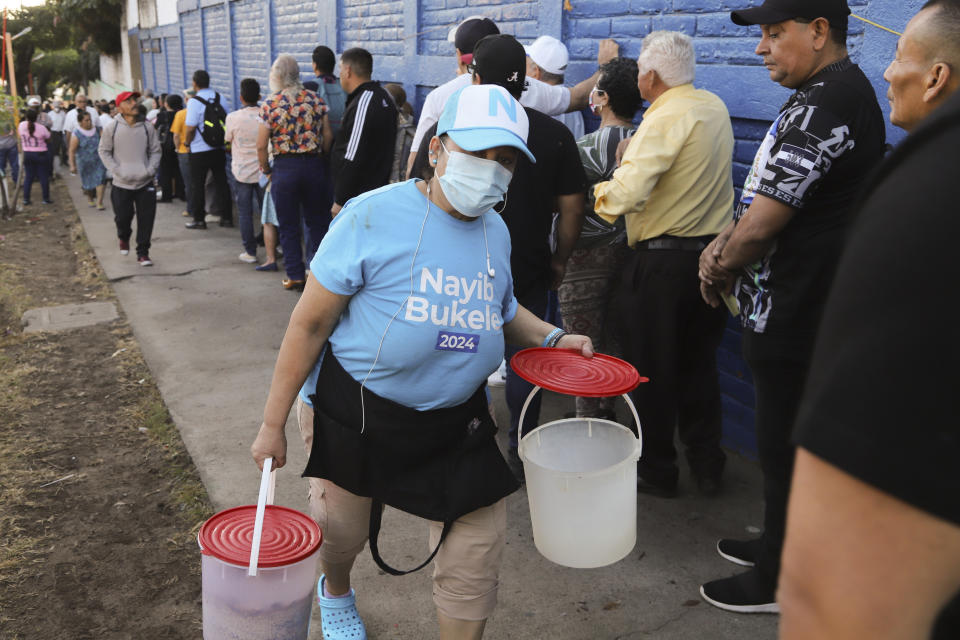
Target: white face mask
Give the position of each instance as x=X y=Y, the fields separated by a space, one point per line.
x=473 y=185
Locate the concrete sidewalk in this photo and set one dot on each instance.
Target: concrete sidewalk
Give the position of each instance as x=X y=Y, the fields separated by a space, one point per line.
x=210 y=328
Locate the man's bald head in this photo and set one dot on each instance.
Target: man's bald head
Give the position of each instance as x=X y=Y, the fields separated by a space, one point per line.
x=926 y=69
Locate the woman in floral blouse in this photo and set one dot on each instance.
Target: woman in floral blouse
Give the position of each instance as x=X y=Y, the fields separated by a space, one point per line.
x=293 y=120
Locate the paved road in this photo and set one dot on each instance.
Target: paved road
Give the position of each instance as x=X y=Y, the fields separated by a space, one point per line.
x=210 y=327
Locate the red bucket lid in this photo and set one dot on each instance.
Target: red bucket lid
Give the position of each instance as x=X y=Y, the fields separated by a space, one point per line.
x=289 y=536
x=567 y=371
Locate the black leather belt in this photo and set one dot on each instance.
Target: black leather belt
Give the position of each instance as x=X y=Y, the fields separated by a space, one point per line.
x=674 y=243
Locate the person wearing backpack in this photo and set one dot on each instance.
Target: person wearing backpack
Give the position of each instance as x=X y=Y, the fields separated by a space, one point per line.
x=205 y=131
x=169 y=178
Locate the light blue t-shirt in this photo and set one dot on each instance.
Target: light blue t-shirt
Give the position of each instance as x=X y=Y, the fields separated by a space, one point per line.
x=194 y=118
x=448 y=336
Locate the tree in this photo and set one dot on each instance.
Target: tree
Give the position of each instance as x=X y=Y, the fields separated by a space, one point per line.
x=98 y=19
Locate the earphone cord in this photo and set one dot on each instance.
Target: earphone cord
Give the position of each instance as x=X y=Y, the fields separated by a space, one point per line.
x=363 y=415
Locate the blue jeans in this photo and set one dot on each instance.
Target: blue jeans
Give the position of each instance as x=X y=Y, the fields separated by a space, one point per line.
x=299 y=184
x=10 y=155
x=249 y=200
x=517 y=389
x=36 y=165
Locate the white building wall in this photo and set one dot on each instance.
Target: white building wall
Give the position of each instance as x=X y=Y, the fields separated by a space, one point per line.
x=167 y=12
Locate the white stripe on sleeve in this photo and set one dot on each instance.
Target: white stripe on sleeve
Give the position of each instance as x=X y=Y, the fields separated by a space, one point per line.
x=358 y=120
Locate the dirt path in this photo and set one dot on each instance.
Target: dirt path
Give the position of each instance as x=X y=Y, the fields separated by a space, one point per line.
x=99 y=501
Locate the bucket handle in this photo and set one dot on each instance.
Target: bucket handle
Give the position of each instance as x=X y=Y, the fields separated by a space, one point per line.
x=268 y=482
x=533 y=392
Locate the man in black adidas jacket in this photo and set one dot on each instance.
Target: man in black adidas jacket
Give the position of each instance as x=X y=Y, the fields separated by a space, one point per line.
x=362 y=153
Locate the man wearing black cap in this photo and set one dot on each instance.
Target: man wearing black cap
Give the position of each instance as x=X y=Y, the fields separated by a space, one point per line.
x=555 y=183
x=780 y=253
x=549 y=99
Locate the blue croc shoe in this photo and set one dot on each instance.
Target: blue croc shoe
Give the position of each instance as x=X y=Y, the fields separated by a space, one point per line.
x=338 y=616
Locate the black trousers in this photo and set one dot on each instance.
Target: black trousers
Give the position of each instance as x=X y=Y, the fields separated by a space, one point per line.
x=140 y=202
x=200 y=164
x=778 y=378
x=54 y=144
x=671 y=335
x=169 y=178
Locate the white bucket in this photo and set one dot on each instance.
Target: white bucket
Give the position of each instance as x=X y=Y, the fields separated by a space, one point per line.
x=581 y=476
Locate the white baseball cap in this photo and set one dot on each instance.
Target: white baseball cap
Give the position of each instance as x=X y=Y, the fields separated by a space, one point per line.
x=549 y=54
x=483 y=116
x=33 y=102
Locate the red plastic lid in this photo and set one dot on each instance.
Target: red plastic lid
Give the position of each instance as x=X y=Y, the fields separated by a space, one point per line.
x=289 y=536
x=566 y=371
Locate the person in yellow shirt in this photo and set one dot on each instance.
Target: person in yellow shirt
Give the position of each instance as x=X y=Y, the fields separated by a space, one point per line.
x=178 y=129
x=674 y=188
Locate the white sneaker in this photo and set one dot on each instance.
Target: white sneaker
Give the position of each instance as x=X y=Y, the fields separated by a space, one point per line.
x=246 y=257
x=499 y=377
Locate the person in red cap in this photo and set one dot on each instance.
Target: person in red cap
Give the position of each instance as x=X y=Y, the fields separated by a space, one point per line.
x=779 y=254
x=130 y=150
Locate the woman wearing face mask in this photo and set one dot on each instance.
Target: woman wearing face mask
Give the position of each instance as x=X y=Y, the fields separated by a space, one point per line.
x=599 y=253
x=407 y=305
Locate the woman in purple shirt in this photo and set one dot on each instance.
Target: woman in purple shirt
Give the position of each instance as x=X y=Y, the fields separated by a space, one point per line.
x=33 y=138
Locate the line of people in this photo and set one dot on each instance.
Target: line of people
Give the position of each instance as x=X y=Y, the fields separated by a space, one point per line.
x=642 y=236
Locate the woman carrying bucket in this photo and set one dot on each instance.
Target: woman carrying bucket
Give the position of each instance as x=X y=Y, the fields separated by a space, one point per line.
x=409 y=299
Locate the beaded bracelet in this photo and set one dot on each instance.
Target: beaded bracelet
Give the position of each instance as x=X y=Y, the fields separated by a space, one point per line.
x=550 y=336
x=557 y=340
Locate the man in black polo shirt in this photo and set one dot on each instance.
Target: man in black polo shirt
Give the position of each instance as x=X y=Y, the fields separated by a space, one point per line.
x=555 y=183
x=362 y=153
x=874 y=509
x=782 y=249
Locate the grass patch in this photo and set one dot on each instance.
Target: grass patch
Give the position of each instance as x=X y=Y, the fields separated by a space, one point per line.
x=187 y=491
x=14 y=300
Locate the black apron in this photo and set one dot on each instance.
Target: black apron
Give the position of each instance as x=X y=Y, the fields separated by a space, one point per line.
x=439 y=464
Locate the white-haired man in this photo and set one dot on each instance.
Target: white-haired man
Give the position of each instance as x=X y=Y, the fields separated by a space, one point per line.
x=675 y=190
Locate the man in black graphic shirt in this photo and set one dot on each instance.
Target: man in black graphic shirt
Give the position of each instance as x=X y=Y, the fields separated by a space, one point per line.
x=874 y=509
x=360 y=158
x=780 y=253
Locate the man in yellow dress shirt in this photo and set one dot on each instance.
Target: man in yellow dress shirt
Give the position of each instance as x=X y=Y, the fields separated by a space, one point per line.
x=674 y=186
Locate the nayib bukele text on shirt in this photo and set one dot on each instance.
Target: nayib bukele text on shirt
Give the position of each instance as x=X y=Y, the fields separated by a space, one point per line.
x=455 y=313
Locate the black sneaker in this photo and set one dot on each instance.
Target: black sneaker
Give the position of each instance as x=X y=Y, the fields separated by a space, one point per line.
x=226 y=223
x=742 y=552
x=743 y=593
x=196 y=224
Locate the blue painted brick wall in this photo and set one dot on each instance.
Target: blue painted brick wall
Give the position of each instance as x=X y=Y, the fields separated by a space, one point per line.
x=250 y=43
x=146 y=62
x=217 y=42
x=192 y=43
x=375 y=25
x=295 y=31
x=160 y=61
x=437 y=17
x=171 y=47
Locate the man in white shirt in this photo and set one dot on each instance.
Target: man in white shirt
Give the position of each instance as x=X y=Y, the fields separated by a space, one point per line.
x=55 y=144
x=548 y=99
x=70 y=121
x=547 y=60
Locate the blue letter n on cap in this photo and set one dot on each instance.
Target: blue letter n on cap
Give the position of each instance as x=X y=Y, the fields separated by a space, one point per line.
x=509 y=105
